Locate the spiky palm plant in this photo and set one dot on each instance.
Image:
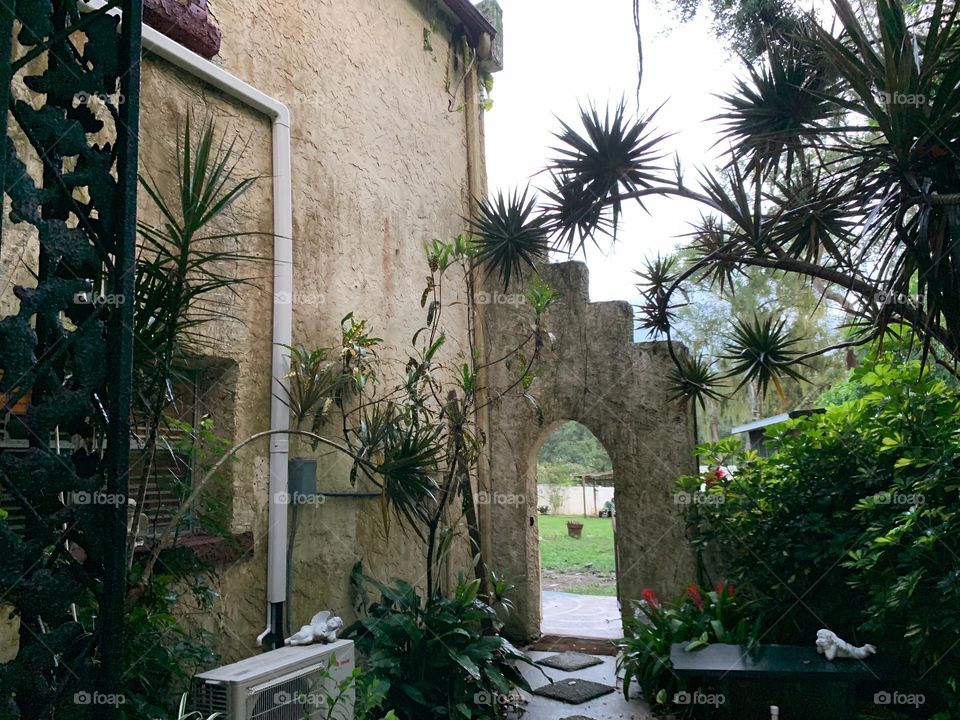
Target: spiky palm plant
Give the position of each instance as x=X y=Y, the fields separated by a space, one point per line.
x=184 y=265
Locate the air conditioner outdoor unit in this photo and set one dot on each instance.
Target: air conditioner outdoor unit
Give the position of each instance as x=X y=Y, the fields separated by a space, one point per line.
x=292 y=683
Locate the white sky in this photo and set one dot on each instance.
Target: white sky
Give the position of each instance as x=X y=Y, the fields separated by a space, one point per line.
x=561 y=53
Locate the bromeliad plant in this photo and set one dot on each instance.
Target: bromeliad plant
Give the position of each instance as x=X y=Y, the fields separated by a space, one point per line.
x=698 y=618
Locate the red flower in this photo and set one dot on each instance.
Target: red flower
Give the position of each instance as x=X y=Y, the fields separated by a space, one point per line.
x=650 y=597
x=722 y=588
x=693 y=592
x=714 y=476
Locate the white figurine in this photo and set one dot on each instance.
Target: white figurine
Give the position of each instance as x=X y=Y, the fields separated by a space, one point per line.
x=322 y=629
x=831 y=646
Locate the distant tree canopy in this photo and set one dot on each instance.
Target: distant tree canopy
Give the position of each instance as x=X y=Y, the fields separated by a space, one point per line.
x=749 y=26
x=571 y=449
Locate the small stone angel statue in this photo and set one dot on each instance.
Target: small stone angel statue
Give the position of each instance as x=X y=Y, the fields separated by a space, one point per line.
x=831 y=646
x=322 y=629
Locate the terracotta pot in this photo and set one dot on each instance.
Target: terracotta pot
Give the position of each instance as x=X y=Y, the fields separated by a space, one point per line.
x=21 y=406
x=574 y=529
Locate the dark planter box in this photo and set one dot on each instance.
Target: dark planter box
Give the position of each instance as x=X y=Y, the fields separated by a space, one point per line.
x=574 y=529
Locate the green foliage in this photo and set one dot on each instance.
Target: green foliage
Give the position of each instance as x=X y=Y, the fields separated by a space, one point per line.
x=162 y=650
x=698 y=618
x=574 y=444
x=312 y=384
x=856 y=513
x=439 y=658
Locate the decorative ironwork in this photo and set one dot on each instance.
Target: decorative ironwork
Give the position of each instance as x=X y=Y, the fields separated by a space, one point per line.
x=69 y=167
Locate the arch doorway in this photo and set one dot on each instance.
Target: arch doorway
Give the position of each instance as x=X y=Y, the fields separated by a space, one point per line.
x=576 y=534
x=593 y=373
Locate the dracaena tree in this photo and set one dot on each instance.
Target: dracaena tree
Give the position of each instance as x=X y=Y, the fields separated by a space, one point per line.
x=842 y=169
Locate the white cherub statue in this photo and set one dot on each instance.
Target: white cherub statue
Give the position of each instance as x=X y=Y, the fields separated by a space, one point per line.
x=322 y=628
x=831 y=646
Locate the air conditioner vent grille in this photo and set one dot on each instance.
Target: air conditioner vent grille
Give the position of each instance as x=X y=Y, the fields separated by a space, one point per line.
x=296 y=698
x=209 y=698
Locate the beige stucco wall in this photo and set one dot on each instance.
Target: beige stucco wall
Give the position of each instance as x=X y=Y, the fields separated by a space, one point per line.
x=379 y=168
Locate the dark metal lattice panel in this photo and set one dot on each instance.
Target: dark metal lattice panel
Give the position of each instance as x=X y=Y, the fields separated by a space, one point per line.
x=68 y=167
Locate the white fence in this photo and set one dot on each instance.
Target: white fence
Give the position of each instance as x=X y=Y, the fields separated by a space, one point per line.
x=573 y=498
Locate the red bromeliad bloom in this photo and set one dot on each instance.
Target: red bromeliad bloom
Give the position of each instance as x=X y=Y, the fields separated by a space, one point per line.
x=721 y=588
x=693 y=592
x=650 y=597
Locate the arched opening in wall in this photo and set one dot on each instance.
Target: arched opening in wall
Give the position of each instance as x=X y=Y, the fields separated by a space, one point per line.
x=577 y=516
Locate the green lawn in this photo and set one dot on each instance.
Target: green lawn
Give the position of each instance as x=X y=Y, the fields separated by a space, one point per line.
x=565 y=554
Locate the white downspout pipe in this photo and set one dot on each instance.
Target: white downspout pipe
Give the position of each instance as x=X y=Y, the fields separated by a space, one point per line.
x=202 y=69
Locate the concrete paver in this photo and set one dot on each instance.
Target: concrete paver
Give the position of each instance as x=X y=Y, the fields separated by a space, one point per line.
x=586 y=616
x=608 y=707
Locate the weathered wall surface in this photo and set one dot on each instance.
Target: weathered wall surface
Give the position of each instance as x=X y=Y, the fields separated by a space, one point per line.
x=595 y=374
x=379 y=168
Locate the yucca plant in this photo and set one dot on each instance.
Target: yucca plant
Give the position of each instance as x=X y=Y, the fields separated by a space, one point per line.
x=185 y=263
x=842 y=169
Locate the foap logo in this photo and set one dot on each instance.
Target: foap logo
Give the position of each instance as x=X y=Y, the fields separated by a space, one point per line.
x=85 y=697
x=86 y=98
x=489 y=699
x=485 y=498
x=898 y=498
x=885 y=697
x=892 y=297
x=901 y=98
x=300 y=299
x=499 y=298
x=698 y=697
x=283 y=697
x=299 y=498
x=91 y=298
x=82 y=497
x=685 y=498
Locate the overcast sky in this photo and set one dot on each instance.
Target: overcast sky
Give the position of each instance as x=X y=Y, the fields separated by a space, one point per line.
x=561 y=53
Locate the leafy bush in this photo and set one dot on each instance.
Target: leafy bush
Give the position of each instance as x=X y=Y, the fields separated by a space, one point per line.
x=440 y=659
x=854 y=523
x=698 y=618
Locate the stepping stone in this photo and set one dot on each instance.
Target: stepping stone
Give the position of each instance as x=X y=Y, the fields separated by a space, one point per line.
x=576 y=717
x=574 y=691
x=570 y=661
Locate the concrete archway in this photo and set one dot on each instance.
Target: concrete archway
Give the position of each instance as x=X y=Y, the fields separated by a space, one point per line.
x=596 y=375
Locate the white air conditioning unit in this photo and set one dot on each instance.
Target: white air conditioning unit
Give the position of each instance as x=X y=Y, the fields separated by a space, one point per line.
x=292 y=683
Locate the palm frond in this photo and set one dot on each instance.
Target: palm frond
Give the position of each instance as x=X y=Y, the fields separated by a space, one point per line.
x=510 y=235
x=762 y=351
x=614 y=155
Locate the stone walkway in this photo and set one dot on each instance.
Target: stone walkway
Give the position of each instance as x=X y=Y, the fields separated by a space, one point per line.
x=609 y=707
x=587 y=616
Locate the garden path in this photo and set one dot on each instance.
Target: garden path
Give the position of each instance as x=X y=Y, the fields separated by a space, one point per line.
x=586 y=616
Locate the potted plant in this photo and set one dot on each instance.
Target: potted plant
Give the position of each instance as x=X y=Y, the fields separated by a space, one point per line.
x=574 y=529
x=311 y=385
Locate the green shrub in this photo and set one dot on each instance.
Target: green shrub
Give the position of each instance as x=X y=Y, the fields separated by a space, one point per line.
x=698 y=618
x=441 y=658
x=853 y=523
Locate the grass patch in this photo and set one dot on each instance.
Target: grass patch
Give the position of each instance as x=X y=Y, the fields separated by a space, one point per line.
x=560 y=552
x=607 y=590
